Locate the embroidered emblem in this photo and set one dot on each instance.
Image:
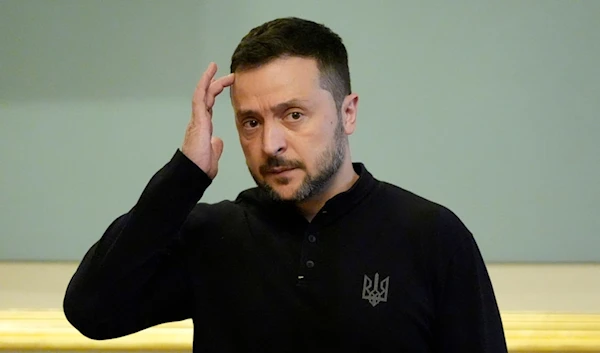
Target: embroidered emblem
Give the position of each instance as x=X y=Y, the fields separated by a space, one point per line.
x=375 y=291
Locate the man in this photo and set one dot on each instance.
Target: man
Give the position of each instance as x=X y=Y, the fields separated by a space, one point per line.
x=319 y=257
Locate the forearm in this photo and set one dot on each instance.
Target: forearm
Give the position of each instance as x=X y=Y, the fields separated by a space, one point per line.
x=138 y=253
x=152 y=224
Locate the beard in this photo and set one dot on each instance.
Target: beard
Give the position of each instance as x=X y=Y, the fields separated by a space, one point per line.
x=328 y=164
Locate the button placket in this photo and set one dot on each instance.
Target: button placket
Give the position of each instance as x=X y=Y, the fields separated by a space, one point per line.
x=312 y=239
x=309 y=255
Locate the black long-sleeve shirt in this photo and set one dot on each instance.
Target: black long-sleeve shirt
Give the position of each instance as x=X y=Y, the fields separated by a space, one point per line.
x=379 y=269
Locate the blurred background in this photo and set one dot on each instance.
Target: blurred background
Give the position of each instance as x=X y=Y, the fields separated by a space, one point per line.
x=489 y=108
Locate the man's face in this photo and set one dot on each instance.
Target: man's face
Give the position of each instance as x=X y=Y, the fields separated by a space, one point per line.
x=289 y=128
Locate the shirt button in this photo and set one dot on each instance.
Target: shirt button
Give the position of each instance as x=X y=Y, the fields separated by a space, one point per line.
x=312 y=238
x=310 y=264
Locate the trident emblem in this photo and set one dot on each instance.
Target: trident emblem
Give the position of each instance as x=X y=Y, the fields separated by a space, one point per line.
x=375 y=291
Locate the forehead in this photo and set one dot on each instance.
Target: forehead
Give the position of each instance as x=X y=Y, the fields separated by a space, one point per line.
x=279 y=80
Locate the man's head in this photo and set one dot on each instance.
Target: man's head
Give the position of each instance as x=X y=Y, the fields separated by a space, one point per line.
x=293 y=104
x=293 y=36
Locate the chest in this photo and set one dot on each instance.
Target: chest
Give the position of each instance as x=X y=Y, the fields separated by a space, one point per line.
x=359 y=285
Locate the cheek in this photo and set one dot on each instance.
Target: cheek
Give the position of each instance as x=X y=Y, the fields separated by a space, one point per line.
x=310 y=150
x=251 y=152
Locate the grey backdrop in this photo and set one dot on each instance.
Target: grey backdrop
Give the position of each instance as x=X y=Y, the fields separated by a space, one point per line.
x=489 y=108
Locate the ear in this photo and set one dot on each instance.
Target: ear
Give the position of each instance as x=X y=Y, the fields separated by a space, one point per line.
x=349 y=110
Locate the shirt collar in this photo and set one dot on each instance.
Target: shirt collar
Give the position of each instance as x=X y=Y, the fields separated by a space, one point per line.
x=333 y=209
x=343 y=202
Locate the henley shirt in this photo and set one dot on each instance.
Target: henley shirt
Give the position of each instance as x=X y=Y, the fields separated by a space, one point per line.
x=378 y=269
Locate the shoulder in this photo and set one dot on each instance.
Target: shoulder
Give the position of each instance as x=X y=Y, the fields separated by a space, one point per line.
x=429 y=220
x=226 y=213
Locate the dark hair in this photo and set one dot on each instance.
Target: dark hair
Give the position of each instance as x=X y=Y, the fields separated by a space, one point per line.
x=292 y=36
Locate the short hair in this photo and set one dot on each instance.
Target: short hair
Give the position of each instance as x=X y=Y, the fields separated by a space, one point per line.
x=292 y=36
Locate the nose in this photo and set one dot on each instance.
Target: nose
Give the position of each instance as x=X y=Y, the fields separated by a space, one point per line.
x=274 y=143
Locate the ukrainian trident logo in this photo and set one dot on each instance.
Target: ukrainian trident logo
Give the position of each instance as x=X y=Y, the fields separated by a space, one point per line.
x=375 y=291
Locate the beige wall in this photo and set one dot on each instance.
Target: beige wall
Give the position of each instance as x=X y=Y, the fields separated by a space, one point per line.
x=519 y=287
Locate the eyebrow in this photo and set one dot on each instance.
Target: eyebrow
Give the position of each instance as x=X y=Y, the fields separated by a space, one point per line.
x=275 y=109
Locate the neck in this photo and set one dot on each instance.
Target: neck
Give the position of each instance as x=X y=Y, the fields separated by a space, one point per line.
x=342 y=181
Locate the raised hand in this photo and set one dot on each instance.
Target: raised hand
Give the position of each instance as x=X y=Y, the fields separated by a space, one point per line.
x=199 y=144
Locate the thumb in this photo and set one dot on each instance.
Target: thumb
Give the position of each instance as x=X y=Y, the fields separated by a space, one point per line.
x=217 y=148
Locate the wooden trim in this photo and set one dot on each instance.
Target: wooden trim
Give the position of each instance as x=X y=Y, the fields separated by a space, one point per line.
x=552 y=332
x=49 y=330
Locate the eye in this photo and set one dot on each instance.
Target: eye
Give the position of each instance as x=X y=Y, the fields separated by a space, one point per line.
x=250 y=123
x=295 y=116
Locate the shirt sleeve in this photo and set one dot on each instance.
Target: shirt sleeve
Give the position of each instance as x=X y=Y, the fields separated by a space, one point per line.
x=134 y=276
x=468 y=318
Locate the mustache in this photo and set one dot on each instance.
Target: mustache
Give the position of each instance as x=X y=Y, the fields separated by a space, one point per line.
x=278 y=162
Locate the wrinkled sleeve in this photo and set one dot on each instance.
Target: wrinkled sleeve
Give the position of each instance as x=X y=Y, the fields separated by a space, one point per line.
x=134 y=276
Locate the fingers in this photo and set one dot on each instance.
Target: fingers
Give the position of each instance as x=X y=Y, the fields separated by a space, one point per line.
x=204 y=83
x=216 y=88
x=208 y=76
x=208 y=88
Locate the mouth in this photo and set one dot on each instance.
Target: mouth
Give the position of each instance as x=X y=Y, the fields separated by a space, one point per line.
x=279 y=170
